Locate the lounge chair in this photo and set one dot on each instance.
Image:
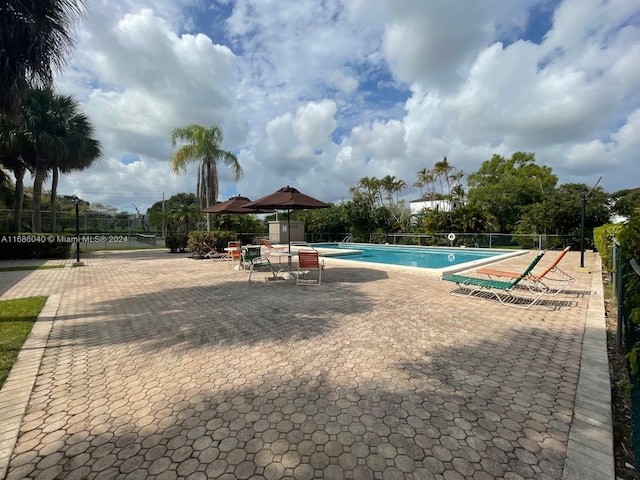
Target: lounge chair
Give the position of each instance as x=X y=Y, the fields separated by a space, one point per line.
x=214 y=254
x=267 y=248
x=309 y=260
x=551 y=280
x=467 y=286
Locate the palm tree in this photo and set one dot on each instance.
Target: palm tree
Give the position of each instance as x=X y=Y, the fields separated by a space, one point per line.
x=184 y=213
x=387 y=184
x=426 y=180
x=15 y=155
x=398 y=186
x=203 y=146
x=81 y=152
x=59 y=138
x=36 y=37
x=370 y=189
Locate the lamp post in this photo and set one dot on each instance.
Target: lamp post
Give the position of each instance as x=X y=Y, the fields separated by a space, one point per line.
x=76 y=201
x=583 y=207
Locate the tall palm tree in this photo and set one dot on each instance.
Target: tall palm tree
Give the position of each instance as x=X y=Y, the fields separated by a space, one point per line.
x=59 y=138
x=35 y=38
x=370 y=189
x=81 y=151
x=15 y=156
x=387 y=184
x=203 y=145
x=391 y=185
x=425 y=182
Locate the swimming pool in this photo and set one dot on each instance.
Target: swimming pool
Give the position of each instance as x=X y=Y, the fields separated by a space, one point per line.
x=436 y=259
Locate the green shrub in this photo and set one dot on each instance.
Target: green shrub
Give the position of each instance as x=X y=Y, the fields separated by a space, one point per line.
x=28 y=245
x=629 y=238
x=200 y=243
x=176 y=244
x=603 y=240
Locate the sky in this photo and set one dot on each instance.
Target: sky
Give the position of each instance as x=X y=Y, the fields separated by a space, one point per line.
x=317 y=94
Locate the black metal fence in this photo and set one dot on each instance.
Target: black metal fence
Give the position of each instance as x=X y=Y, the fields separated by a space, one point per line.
x=627 y=331
x=448 y=239
x=88 y=224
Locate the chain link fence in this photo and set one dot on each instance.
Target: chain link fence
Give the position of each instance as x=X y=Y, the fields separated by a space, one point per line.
x=133 y=230
x=88 y=223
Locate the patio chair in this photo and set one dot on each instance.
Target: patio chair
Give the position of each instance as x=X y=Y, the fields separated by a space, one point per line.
x=504 y=291
x=309 y=260
x=551 y=280
x=234 y=249
x=261 y=262
x=247 y=254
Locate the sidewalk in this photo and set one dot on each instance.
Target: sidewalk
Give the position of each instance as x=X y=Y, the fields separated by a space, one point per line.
x=160 y=366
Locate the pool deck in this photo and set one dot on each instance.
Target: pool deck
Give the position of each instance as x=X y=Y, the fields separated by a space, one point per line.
x=145 y=364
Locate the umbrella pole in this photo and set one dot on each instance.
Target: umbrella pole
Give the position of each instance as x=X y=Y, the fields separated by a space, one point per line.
x=289 y=229
x=289 y=235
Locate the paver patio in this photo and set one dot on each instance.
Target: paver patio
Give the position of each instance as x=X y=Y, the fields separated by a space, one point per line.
x=161 y=366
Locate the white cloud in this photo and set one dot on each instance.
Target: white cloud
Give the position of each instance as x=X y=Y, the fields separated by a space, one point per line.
x=321 y=94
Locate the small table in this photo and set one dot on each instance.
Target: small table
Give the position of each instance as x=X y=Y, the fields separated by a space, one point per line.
x=289 y=256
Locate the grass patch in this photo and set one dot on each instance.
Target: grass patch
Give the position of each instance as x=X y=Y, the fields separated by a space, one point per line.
x=16 y=320
x=18 y=269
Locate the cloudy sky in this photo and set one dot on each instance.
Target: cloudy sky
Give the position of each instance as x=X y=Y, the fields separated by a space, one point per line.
x=318 y=94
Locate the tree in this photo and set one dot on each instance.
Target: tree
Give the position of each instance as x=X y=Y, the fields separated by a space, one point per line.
x=505 y=187
x=398 y=210
x=80 y=152
x=184 y=213
x=159 y=212
x=392 y=185
x=442 y=182
x=59 y=137
x=35 y=38
x=203 y=146
x=369 y=191
x=16 y=156
x=625 y=202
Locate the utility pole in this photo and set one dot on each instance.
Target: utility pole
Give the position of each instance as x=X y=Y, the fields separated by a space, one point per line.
x=164 y=233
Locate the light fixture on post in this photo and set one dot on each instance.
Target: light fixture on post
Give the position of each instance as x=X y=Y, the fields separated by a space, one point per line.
x=76 y=201
x=583 y=207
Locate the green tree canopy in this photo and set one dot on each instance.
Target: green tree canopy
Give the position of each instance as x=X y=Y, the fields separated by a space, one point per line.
x=625 y=202
x=50 y=135
x=505 y=187
x=159 y=215
x=35 y=38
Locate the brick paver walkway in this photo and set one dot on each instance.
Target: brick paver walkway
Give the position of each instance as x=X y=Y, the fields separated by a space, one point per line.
x=161 y=366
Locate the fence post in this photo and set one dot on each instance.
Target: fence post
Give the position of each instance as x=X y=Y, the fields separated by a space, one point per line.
x=618 y=290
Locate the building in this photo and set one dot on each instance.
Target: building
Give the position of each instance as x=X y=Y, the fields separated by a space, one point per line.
x=416 y=206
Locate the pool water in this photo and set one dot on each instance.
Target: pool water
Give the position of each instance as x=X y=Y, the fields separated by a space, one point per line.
x=409 y=256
